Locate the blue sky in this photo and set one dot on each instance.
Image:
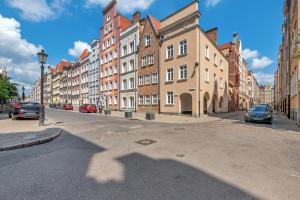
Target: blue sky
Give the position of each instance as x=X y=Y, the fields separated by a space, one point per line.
x=64 y=27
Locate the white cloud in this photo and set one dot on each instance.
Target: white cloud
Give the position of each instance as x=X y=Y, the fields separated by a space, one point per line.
x=126 y=6
x=212 y=3
x=16 y=53
x=38 y=10
x=260 y=63
x=264 y=78
x=78 y=48
x=248 y=54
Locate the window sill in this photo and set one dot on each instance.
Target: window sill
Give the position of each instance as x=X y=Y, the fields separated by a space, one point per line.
x=207 y=82
x=169 y=105
x=182 y=80
x=182 y=55
x=169 y=59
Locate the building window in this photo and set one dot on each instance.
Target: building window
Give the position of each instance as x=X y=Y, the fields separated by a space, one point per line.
x=183 y=72
x=221 y=83
x=144 y=61
x=124 y=50
x=154 y=99
x=115 y=85
x=131 y=46
x=141 y=80
x=131 y=65
x=183 y=47
x=206 y=78
x=116 y=100
x=125 y=84
x=155 y=78
x=131 y=102
x=110 y=100
x=170 y=98
x=151 y=59
x=170 y=52
x=115 y=69
x=215 y=60
x=124 y=102
x=206 y=52
x=221 y=64
x=147 y=79
x=169 y=76
x=131 y=81
x=113 y=40
x=115 y=54
x=141 y=100
x=147 y=40
x=124 y=67
x=147 y=99
x=107 y=18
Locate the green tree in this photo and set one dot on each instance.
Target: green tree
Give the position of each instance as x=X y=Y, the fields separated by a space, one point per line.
x=8 y=90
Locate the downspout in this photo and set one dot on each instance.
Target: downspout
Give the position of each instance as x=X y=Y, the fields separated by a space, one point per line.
x=289 y=69
x=158 y=75
x=135 y=69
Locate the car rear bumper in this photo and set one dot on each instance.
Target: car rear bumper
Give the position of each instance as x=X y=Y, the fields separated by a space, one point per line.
x=28 y=115
x=259 y=120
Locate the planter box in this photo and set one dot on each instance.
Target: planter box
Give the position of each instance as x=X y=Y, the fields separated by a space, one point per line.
x=150 y=116
x=107 y=112
x=128 y=114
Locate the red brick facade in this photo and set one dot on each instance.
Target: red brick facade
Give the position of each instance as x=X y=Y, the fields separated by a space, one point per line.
x=113 y=25
x=148 y=90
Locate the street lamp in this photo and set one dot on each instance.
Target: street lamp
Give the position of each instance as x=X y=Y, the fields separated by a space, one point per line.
x=43 y=59
x=23 y=93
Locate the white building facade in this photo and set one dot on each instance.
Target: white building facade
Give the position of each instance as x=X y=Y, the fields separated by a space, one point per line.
x=94 y=73
x=129 y=41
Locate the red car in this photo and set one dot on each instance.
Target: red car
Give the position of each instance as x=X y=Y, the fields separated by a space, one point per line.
x=88 y=108
x=68 y=107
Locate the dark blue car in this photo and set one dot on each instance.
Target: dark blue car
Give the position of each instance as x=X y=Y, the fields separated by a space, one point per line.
x=259 y=113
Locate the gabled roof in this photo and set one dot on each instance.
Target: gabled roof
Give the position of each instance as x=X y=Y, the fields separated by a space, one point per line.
x=84 y=55
x=225 y=46
x=154 y=23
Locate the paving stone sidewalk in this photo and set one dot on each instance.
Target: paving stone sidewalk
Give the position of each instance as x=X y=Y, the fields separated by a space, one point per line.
x=16 y=134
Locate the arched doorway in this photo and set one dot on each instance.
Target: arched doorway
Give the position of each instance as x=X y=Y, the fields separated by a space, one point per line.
x=205 y=103
x=186 y=104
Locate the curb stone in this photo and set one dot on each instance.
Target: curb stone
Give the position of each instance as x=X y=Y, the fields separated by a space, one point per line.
x=31 y=143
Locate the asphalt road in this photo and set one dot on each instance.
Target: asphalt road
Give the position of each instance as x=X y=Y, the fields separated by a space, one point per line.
x=98 y=158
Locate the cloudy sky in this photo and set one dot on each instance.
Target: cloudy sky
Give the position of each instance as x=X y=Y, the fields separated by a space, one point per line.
x=65 y=27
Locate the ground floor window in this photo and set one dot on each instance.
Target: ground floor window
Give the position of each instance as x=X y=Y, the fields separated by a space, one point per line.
x=141 y=100
x=124 y=102
x=147 y=99
x=154 y=99
x=116 y=100
x=131 y=102
x=170 y=98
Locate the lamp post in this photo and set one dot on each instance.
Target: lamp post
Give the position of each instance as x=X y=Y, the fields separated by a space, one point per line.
x=23 y=93
x=43 y=59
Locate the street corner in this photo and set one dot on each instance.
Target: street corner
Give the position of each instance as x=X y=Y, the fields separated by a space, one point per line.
x=18 y=140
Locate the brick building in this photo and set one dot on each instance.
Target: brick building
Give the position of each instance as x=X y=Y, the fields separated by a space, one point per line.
x=148 y=66
x=113 y=25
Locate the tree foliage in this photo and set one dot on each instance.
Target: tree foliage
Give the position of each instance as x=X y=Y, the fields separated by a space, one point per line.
x=8 y=90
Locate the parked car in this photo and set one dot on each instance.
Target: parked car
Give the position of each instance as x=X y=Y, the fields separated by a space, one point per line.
x=24 y=110
x=52 y=105
x=259 y=113
x=59 y=106
x=68 y=106
x=88 y=108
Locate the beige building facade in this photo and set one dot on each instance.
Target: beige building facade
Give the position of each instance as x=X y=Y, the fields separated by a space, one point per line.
x=193 y=70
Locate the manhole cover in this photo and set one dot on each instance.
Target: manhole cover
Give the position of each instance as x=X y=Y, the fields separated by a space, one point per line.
x=145 y=142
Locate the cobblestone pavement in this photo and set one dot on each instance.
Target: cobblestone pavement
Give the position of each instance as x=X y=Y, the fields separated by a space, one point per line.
x=99 y=157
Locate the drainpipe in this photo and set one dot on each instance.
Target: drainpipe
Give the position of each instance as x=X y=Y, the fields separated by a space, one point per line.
x=135 y=69
x=158 y=76
x=289 y=68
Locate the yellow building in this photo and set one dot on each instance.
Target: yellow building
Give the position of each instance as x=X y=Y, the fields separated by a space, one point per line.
x=193 y=70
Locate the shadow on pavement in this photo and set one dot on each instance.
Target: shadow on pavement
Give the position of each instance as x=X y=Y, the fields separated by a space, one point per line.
x=71 y=167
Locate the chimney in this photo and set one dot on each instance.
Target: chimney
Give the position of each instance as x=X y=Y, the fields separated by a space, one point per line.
x=136 y=17
x=213 y=34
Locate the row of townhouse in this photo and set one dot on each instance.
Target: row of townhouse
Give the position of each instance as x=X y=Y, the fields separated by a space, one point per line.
x=168 y=66
x=286 y=89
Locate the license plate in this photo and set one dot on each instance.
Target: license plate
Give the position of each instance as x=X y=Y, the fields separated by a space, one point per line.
x=257 y=119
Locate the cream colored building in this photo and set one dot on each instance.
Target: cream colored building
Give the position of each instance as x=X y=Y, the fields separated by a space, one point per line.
x=193 y=70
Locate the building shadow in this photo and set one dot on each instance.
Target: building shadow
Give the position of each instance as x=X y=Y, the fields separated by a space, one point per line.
x=71 y=167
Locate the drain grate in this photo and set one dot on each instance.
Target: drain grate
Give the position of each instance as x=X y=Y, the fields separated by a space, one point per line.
x=145 y=142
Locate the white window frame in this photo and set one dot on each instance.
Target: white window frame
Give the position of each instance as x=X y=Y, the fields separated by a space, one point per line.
x=207 y=52
x=183 y=71
x=172 y=98
x=154 y=77
x=182 y=47
x=167 y=75
x=147 y=40
x=144 y=61
x=141 y=100
x=170 y=51
x=151 y=59
x=154 y=99
x=206 y=75
x=147 y=99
